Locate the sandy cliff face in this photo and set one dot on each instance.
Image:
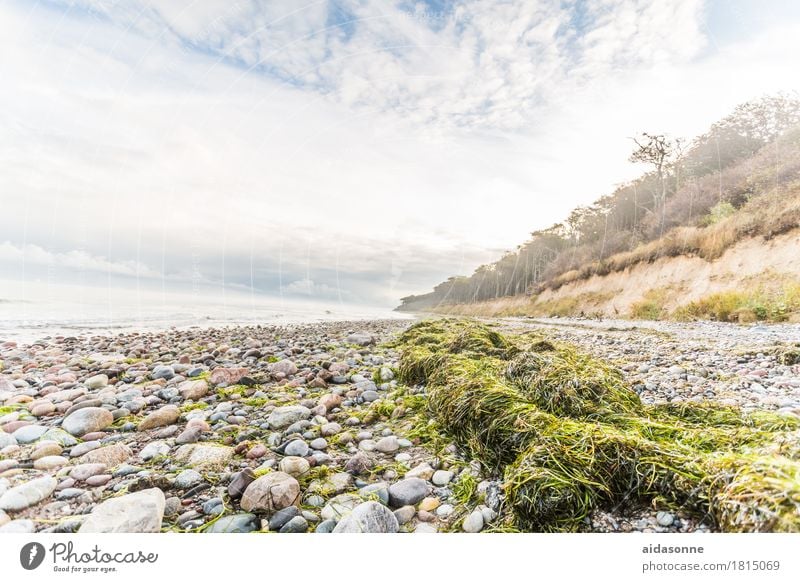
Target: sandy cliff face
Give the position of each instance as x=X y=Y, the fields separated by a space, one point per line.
x=686 y=278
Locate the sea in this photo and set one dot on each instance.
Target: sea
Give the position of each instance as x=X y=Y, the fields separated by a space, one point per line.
x=33 y=311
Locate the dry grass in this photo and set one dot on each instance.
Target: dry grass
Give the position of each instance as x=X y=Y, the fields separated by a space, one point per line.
x=760 y=303
x=767 y=216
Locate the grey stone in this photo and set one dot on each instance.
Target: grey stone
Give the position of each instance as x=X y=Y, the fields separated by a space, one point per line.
x=28 y=434
x=408 y=492
x=27 y=494
x=188 y=478
x=238 y=523
x=296 y=448
x=297 y=524
x=285 y=416
x=87 y=420
x=441 y=478
x=139 y=512
x=473 y=523
x=369 y=517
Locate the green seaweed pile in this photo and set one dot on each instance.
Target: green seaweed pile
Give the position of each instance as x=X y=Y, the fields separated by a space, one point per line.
x=569 y=435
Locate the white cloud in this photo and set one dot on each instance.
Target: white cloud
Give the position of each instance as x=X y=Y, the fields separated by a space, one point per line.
x=31 y=255
x=259 y=144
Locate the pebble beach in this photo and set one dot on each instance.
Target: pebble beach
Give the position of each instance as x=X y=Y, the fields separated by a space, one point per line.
x=303 y=428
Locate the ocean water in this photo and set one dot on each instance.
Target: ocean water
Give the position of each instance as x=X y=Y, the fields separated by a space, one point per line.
x=35 y=311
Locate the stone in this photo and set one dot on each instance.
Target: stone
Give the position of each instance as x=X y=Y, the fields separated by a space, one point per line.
x=50 y=462
x=190 y=435
x=285 y=367
x=318 y=444
x=326 y=526
x=271 y=492
x=429 y=504
x=153 y=449
x=421 y=471
x=227 y=376
x=387 y=444
x=30 y=433
x=7 y=440
x=425 y=528
x=83 y=448
x=360 y=339
x=368 y=517
x=239 y=482
x=96 y=382
x=282 y=517
x=27 y=494
x=376 y=492
x=405 y=514
x=19 y=526
x=358 y=464
x=330 y=429
x=111 y=455
x=473 y=523
x=294 y=466
x=296 y=448
x=60 y=436
x=193 y=389
x=43 y=409
x=331 y=401
x=297 y=524
x=441 y=478
x=340 y=506
x=163 y=372
x=285 y=416
x=98 y=480
x=86 y=420
x=140 y=512
x=187 y=479
x=238 y=523
x=46 y=449
x=85 y=470
x=665 y=518
x=409 y=491
x=204 y=457
x=164 y=416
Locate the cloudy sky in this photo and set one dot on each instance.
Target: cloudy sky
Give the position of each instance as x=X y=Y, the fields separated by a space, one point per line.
x=345 y=150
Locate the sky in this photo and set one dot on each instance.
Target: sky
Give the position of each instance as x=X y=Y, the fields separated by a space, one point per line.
x=352 y=151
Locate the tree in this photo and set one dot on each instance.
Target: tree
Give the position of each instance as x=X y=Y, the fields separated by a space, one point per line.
x=660 y=152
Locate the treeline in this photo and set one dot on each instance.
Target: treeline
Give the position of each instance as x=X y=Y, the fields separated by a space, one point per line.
x=686 y=184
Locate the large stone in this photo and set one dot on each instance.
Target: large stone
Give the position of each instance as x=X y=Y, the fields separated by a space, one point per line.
x=111 y=455
x=285 y=416
x=30 y=433
x=286 y=367
x=408 y=492
x=369 y=517
x=86 y=420
x=208 y=457
x=164 y=416
x=271 y=492
x=139 y=512
x=27 y=494
x=193 y=389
